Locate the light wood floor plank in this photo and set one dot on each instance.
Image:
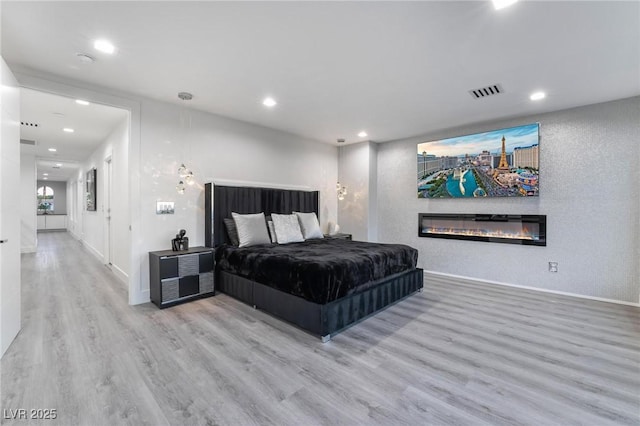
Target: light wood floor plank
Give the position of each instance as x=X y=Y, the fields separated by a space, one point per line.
x=460 y=353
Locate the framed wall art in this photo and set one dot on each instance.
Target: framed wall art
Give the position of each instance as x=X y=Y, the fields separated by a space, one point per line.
x=91 y=189
x=499 y=163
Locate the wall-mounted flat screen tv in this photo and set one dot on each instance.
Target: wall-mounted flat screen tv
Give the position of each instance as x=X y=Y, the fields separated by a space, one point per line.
x=499 y=163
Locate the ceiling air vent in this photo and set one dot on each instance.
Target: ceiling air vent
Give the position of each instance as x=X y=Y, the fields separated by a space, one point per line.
x=483 y=92
x=27 y=142
x=55 y=167
x=26 y=123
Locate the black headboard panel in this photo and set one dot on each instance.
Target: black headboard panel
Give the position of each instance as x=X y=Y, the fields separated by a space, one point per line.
x=221 y=200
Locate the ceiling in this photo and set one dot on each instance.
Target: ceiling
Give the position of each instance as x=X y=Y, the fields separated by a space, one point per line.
x=395 y=69
x=92 y=124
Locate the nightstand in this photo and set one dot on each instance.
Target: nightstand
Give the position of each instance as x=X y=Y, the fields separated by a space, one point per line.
x=180 y=276
x=338 y=236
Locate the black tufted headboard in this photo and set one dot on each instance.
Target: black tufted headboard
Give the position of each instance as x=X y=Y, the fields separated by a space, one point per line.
x=221 y=200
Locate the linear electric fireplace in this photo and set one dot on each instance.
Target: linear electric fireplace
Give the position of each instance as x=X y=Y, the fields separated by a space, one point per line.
x=493 y=228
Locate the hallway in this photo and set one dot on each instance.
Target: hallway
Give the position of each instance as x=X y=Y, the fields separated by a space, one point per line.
x=75 y=321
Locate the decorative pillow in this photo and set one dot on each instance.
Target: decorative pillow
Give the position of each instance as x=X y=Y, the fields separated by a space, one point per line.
x=252 y=229
x=272 y=231
x=232 y=231
x=287 y=228
x=309 y=225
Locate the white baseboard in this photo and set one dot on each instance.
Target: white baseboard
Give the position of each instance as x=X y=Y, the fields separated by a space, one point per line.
x=137 y=298
x=140 y=297
x=28 y=249
x=93 y=251
x=120 y=274
x=134 y=299
x=544 y=290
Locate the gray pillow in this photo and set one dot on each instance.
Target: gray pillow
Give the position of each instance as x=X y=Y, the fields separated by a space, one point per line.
x=309 y=225
x=252 y=229
x=287 y=228
x=232 y=231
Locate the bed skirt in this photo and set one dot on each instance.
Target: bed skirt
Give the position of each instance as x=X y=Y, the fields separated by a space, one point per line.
x=328 y=319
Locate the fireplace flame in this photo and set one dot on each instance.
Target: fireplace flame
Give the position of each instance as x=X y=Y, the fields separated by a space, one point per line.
x=525 y=234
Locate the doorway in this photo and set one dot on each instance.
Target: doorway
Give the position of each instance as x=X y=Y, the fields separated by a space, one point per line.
x=83 y=148
x=128 y=221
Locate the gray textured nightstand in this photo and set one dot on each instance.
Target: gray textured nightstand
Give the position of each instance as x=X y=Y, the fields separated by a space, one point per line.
x=338 y=236
x=180 y=276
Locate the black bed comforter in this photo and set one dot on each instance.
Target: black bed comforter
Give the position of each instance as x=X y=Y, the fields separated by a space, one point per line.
x=319 y=271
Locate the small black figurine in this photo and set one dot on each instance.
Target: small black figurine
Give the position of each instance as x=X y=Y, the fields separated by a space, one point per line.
x=180 y=242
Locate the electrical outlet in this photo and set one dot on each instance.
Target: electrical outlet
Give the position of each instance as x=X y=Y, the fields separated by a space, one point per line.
x=553 y=266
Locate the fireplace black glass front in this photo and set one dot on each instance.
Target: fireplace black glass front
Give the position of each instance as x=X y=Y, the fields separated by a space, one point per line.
x=494 y=228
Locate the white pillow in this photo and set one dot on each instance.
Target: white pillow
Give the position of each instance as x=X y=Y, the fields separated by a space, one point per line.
x=309 y=225
x=252 y=229
x=287 y=228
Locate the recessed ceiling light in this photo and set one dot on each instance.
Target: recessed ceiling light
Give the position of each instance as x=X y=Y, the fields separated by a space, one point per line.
x=59 y=164
x=68 y=130
x=81 y=102
x=45 y=178
x=52 y=149
x=501 y=4
x=362 y=134
x=104 y=46
x=45 y=174
x=537 y=96
x=270 y=102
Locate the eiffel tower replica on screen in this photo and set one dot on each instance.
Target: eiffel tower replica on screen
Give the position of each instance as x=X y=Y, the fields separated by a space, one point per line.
x=503 y=166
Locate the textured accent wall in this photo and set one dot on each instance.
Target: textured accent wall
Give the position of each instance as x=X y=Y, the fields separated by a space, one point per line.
x=589 y=190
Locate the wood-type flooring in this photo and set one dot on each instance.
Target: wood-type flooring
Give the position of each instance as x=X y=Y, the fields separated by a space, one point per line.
x=459 y=353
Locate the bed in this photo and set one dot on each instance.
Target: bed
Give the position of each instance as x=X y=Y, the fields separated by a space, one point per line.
x=323 y=285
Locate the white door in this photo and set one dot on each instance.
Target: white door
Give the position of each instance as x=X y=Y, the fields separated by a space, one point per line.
x=108 y=255
x=9 y=208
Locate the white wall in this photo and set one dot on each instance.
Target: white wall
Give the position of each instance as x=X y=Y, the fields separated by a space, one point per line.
x=89 y=226
x=589 y=190
x=218 y=148
x=9 y=215
x=120 y=209
x=74 y=212
x=357 y=212
x=28 y=202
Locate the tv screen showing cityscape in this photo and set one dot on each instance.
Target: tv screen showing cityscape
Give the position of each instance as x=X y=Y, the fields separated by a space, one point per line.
x=499 y=163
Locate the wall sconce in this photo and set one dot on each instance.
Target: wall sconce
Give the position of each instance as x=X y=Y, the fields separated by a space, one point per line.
x=180 y=187
x=340 y=189
x=184 y=173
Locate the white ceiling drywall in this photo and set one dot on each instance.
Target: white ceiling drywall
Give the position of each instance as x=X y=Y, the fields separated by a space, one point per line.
x=91 y=124
x=394 y=69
